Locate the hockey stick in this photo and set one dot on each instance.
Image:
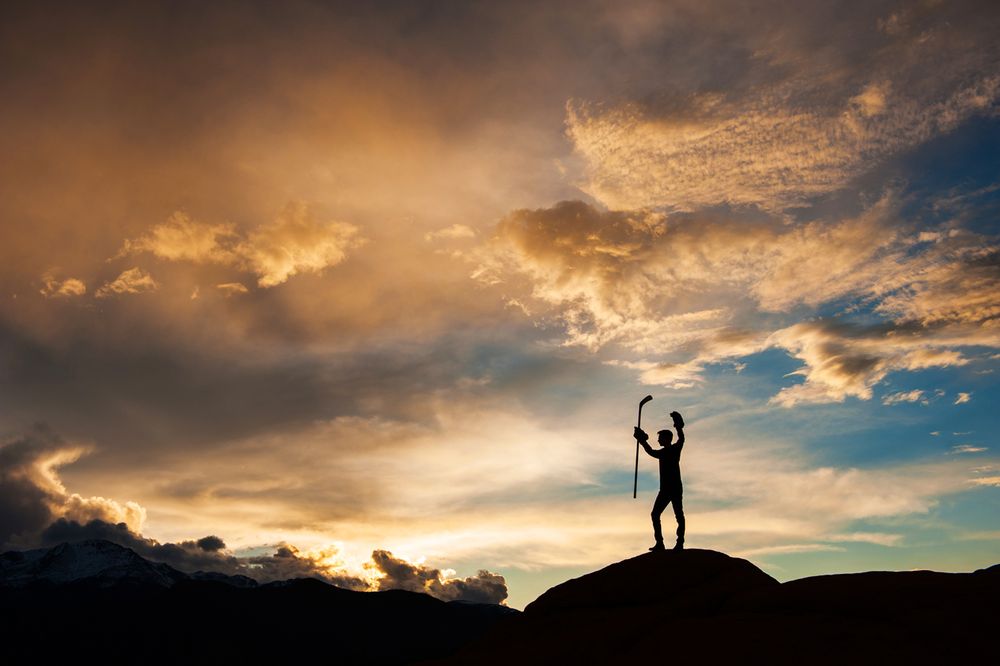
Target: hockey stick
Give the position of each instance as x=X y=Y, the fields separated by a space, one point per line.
x=638 y=424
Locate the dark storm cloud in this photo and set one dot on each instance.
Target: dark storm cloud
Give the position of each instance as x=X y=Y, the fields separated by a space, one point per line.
x=32 y=494
x=484 y=587
x=186 y=555
x=288 y=562
x=24 y=503
x=211 y=543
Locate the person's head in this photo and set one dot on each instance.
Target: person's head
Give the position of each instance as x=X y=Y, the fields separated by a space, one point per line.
x=664 y=437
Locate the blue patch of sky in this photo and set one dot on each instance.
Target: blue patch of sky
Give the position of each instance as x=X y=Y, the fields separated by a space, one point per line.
x=619 y=481
x=961 y=163
x=972 y=511
x=868 y=433
x=763 y=374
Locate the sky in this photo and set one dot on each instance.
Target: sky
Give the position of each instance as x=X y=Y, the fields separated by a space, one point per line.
x=372 y=291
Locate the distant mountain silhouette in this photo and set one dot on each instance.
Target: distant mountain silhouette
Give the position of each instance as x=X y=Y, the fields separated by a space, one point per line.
x=94 y=562
x=96 y=599
x=701 y=606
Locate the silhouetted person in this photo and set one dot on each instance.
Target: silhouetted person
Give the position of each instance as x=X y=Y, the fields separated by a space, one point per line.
x=671 y=490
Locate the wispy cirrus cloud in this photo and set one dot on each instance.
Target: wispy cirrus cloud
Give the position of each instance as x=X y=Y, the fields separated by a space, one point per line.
x=969 y=448
x=768 y=151
x=811 y=123
x=898 y=397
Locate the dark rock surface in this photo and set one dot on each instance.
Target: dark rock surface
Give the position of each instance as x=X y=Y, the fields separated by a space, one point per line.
x=687 y=580
x=704 y=607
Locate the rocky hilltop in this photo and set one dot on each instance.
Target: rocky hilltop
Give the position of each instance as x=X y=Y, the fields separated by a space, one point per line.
x=688 y=580
x=701 y=606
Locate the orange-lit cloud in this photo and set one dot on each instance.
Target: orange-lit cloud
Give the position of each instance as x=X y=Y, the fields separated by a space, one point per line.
x=630 y=275
x=232 y=288
x=131 y=281
x=66 y=287
x=398 y=574
x=182 y=239
x=453 y=232
x=694 y=289
x=295 y=242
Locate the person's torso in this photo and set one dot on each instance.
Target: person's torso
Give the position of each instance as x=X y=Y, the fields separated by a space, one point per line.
x=670 y=468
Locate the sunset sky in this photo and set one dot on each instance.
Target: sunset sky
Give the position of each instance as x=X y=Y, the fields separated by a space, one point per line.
x=321 y=279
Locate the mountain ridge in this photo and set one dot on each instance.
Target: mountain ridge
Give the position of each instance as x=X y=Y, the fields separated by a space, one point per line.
x=691 y=604
x=107 y=602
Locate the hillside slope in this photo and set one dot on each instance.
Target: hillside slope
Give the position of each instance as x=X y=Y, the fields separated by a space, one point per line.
x=706 y=606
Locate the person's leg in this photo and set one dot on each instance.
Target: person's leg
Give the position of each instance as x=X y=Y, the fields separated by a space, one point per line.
x=658 y=506
x=678 y=502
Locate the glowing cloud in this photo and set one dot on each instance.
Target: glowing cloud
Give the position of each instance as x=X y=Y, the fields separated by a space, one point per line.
x=295 y=242
x=232 y=288
x=454 y=232
x=181 y=238
x=56 y=288
x=692 y=289
x=131 y=281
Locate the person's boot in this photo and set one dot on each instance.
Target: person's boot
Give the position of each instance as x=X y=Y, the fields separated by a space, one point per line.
x=658 y=546
x=679 y=545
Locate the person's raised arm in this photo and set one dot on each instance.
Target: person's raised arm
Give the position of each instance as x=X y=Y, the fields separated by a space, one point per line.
x=643 y=439
x=679 y=427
